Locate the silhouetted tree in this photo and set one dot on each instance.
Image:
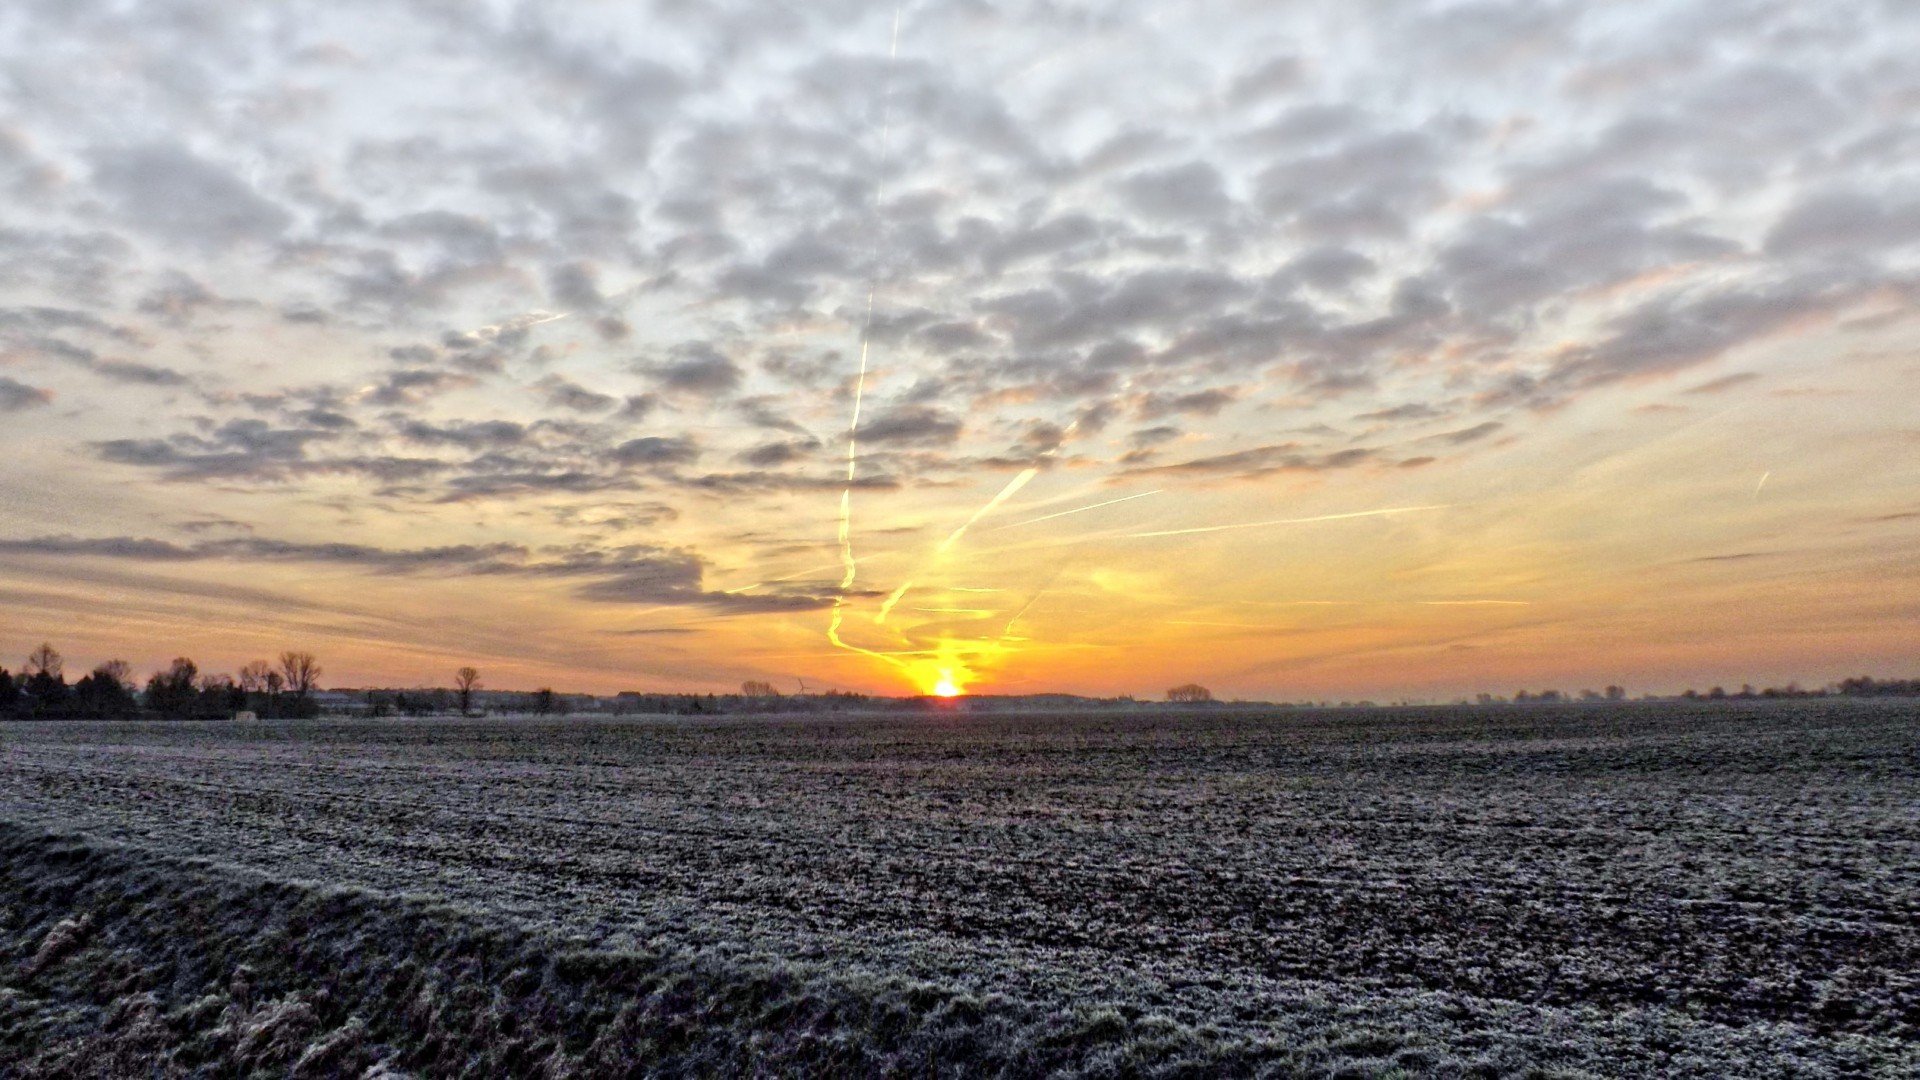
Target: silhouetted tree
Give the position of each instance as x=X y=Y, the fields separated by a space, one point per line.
x=172 y=692
x=1191 y=692
x=302 y=673
x=1616 y=693
x=543 y=700
x=45 y=660
x=119 y=671
x=43 y=685
x=9 y=693
x=275 y=684
x=465 y=682
x=220 y=697
x=758 y=688
x=105 y=693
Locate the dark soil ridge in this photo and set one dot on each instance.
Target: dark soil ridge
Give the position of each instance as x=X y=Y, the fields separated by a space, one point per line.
x=118 y=962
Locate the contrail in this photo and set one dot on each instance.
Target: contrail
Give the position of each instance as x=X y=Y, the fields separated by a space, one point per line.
x=1286 y=521
x=886 y=606
x=1762 y=485
x=1301 y=603
x=848 y=567
x=953 y=538
x=1079 y=510
x=1031 y=600
x=1013 y=486
x=1007 y=630
x=1477 y=603
x=847 y=563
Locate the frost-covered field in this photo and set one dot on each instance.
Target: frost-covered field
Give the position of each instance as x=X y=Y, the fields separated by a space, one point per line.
x=1658 y=889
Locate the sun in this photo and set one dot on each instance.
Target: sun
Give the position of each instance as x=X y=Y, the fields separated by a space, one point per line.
x=945 y=672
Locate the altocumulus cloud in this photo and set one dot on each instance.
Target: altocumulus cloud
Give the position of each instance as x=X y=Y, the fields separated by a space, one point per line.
x=627 y=574
x=319 y=273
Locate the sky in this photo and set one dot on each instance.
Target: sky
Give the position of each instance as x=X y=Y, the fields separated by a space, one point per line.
x=1302 y=350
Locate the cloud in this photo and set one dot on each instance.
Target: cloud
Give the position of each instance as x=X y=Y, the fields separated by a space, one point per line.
x=575 y=286
x=116 y=547
x=1466 y=435
x=1269 y=79
x=471 y=435
x=16 y=395
x=912 y=424
x=783 y=452
x=132 y=371
x=1264 y=461
x=628 y=574
x=698 y=369
x=1195 y=191
x=250 y=549
x=171 y=193
x=1724 y=383
x=654 y=450
x=412 y=386
x=1413 y=410
x=1208 y=402
x=566 y=394
x=256 y=451
x=1846 y=223
x=1673 y=333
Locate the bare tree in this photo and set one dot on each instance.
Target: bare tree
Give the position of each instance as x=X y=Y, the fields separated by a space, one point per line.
x=1191 y=692
x=466 y=681
x=758 y=688
x=302 y=673
x=45 y=660
x=119 y=671
x=253 y=677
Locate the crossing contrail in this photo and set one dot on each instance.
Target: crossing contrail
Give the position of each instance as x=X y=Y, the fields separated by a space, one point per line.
x=1013 y=487
x=1078 y=510
x=1287 y=521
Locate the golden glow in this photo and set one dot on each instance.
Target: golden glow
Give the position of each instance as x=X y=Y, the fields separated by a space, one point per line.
x=944 y=687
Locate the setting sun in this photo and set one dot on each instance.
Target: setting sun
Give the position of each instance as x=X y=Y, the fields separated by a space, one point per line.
x=945 y=687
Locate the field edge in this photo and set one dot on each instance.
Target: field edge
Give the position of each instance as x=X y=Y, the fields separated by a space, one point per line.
x=116 y=961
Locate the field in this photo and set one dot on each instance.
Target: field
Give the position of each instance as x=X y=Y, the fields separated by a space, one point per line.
x=1637 y=889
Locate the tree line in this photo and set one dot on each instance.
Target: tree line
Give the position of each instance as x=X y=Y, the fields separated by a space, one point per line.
x=40 y=690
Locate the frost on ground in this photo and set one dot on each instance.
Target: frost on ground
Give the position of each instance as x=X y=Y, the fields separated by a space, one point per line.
x=1710 y=891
